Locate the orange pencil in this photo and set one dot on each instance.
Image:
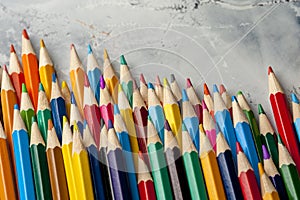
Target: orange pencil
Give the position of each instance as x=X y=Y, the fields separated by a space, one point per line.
x=31 y=69
x=46 y=69
x=77 y=78
x=16 y=72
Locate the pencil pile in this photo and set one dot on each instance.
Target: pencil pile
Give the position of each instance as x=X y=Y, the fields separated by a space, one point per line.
x=105 y=137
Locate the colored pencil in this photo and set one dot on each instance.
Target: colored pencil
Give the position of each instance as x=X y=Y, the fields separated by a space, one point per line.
x=273 y=174
x=283 y=117
x=104 y=163
x=172 y=112
x=67 y=146
x=126 y=79
x=8 y=100
x=43 y=113
x=75 y=116
x=16 y=72
x=110 y=77
x=46 y=69
x=144 y=88
x=156 y=112
x=227 y=169
x=288 y=171
x=210 y=168
x=268 y=192
x=296 y=114
x=244 y=135
x=77 y=78
x=159 y=90
x=194 y=99
x=93 y=72
x=208 y=100
x=267 y=134
x=94 y=161
x=246 y=174
x=67 y=96
x=176 y=90
x=26 y=109
x=22 y=157
x=123 y=137
x=56 y=165
x=158 y=164
x=192 y=167
x=175 y=165
x=209 y=125
x=8 y=188
x=226 y=98
x=39 y=161
x=252 y=122
x=190 y=119
x=81 y=167
x=145 y=181
x=58 y=107
x=117 y=166
x=106 y=103
x=140 y=114
x=91 y=111
x=126 y=113
x=224 y=122
x=31 y=69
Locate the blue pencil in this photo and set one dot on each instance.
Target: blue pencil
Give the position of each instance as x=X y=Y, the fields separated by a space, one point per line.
x=94 y=161
x=58 y=107
x=123 y=137
x=296 y=114
x=75 y=116
x=22 y=157
x=190 y=119
x=224 y=122
x=156 y=112
x=244 y=136
x=93 y=73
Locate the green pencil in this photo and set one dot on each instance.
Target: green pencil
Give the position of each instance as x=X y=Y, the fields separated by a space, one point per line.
x=192 y=166
x=288 y=171
x=26 y=109
x=252 y=121
x=39 y=163
x=267 y=134
x=43 y=113
x=158 y=164
x=126 y=79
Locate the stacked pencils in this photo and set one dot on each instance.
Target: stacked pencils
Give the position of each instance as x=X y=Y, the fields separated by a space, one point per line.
x=105 y=137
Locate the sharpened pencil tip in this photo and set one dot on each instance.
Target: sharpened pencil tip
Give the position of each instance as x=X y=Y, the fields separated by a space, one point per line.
x=279 y=139
x=201 y=128
x=24 y=88
x=33 y=119
x=166 y=83
x=239 y=93
x=65 y=120
x=5 y=68
x=122 y=60
x=183 y=127
x=270 y=70
x=73 y=100
x=204 y=106
x=266 y=154
x=86 y=81
x=167 y=125
x=294 y=98
x=64 y=84
x=53 y=77
x=109 y=125
x=25 y=35
x=105 y=54
x=120 y=89
x=12 y=49
x=149 y=118
x=134 y=85
x=41 y=87
x=84 y=124
x=42 y=44
x=116 y=109
x=215 y=88
x=16 y=107
x=188 y=83
x=233 y=99
x=157 y=80
x=172 y=77
x=72 y=46
x=50 y=124
x=75 y=127
x=205 y=89
x=184 y=96
x=102 y=82
x=222 y=89
x=238 y=147
x=260 y=109
x=90 y=51
x=260 y=169
x=142 y=79
x=150 y=86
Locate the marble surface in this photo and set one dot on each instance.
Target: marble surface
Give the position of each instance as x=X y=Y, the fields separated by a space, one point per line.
x=227 y=41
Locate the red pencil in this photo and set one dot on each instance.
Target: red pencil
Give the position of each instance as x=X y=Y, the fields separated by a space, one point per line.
x=283 y=117
x=246 y=176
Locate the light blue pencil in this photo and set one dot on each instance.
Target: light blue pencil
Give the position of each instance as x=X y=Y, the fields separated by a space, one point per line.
x=93 y=73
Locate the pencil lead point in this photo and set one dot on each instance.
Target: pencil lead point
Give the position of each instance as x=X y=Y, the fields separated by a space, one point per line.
x=42 y=44
x=90 y=51
x=270 y=70
x=25 y=35
x=260 y=109
x=122 y=60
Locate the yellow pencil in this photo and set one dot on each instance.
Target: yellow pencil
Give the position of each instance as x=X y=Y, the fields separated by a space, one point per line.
x=67 y=145
x=268 y=191
x=46 y=69
x=81 y=167
x=210 y=168
x=65 y=91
